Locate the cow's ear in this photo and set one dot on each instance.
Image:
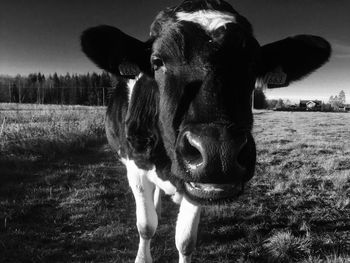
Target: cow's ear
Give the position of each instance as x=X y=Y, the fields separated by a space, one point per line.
x=291 y=59
x=116 y=52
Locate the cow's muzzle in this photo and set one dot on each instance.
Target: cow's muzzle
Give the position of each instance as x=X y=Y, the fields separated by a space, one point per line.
x=215 y=161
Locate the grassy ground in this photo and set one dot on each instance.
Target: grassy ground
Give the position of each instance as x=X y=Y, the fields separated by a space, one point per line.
x=36 y=131
x=74 y=205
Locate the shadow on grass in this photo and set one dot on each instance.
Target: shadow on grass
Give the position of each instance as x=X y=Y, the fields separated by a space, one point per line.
x=79 y=208
x=50 y=208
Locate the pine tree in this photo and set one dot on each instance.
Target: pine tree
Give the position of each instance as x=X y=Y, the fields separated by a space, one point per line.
x=341 y=97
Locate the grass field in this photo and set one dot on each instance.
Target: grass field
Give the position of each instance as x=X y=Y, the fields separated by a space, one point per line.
x=37 y=131
x=64 y=198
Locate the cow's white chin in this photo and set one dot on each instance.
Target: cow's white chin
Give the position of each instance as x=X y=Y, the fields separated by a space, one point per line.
x=212 y=193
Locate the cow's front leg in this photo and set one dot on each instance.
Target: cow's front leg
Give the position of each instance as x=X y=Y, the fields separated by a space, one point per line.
x=186 y=229
x=146 y=216
x=158 y=201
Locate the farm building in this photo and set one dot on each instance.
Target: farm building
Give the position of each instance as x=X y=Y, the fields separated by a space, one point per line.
x=313 y=105
x=346 y=107
x=341 y=108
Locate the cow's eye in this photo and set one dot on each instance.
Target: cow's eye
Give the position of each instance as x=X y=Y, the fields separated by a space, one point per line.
x=157 y=63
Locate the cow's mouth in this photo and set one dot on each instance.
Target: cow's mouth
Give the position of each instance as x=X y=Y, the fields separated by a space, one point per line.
x=212 y=193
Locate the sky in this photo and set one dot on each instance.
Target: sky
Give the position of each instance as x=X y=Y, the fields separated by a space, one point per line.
x=43 y=35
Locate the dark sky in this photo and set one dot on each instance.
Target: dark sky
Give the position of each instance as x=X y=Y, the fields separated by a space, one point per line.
x=43 y=35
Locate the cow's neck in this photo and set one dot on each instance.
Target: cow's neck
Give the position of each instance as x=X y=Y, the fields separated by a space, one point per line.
x=141 y=121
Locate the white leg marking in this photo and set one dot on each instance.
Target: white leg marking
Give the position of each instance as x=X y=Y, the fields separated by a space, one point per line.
x=186 y=229
x=209 y=20
x=157 y=199
x=146 y=216
x=166 y=186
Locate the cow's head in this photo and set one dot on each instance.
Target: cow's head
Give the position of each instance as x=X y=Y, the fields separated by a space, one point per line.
x=205 y=61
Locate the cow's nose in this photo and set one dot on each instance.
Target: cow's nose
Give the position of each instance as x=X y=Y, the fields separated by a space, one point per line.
x=192 y=151
x=212 y=154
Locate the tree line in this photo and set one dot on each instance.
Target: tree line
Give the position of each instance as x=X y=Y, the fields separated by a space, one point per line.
x=337 y=100
x=94 y=88
x=73 y=89
x=335 y=103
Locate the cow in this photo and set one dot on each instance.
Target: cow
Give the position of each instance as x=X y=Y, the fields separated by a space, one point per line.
x=180 y=118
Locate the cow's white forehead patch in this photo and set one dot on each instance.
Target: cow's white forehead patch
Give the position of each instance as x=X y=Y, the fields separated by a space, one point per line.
x=210 y=20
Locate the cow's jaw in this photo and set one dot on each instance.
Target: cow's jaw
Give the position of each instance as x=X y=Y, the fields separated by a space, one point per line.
x=212 y=193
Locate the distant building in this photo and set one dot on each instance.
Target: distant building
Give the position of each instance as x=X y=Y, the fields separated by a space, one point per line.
x=345 y=107
x=312 y=105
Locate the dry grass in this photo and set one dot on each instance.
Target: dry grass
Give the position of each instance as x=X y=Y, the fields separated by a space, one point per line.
x=47 y=130
x=301 y=190
x=78 y=207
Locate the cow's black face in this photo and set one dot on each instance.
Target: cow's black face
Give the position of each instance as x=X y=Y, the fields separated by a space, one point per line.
x=205 y=81
x=205 y=62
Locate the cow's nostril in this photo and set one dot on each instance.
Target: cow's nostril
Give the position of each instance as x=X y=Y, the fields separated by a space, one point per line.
x=191 y=151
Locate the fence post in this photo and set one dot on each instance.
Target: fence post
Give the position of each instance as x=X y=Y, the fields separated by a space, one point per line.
x=10 y=95
x=2 y=126
x=19 y=92
x=103 y=96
